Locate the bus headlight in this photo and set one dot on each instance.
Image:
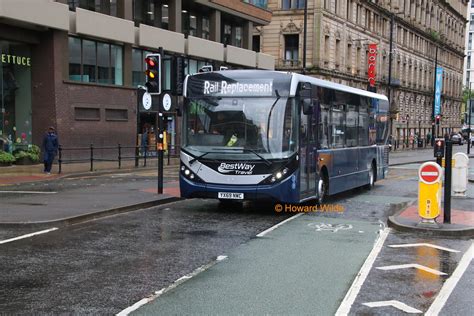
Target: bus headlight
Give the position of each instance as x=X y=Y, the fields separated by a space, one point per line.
x=277 y=176
x=187 y=173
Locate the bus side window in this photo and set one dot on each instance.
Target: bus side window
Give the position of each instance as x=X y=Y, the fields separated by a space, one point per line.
x=363 y=127
x=337 y=126
x=352 y=118
x=324 y=127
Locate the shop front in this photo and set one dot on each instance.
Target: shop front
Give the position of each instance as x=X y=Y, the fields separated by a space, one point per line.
x=15 y=95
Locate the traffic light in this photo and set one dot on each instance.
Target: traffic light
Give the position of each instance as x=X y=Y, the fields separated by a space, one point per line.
x=438 y=117
x=153 y=73
x=439 y=148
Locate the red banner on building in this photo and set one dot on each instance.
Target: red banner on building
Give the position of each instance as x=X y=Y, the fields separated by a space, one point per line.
x=372 y=62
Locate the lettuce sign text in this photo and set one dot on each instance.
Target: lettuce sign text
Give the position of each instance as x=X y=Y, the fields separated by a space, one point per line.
x=16 y=60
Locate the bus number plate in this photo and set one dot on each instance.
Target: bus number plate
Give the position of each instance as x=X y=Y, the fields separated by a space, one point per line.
x=230 y=195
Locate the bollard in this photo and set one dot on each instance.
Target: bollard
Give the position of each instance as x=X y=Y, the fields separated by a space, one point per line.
x=119 y=156
x=429 y=192
x=460 y=171
x=92 y=157
x=60 y=158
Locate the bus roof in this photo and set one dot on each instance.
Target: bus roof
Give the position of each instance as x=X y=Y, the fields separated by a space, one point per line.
x=297 y=78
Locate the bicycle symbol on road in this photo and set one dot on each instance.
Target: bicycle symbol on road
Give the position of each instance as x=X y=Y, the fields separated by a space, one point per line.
x=329 y=227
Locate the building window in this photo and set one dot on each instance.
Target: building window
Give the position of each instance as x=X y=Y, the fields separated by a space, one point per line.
x=108 y=7
x=258 y=3
x=116 y=115
x=227 y=35
x=238 y=36
x=151 y=12
x=86 y=114
x=291 y=49
x=138 y=66
x=91 y=61
x=256 y=43
x=292 y=4
x=205 y=32
x=189 y=23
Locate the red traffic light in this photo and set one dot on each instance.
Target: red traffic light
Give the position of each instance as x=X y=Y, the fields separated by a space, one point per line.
x=439 y=143
x=151 y=62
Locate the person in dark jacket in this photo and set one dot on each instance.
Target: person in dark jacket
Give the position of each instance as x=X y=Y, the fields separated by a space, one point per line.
x=50 y=148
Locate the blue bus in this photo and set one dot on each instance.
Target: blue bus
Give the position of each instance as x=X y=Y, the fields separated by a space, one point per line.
x=279 y=136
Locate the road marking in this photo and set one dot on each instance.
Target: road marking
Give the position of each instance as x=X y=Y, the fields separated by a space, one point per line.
x=179 y=281
x=423 y=245
x=451 y=283
x=278 y=225
x=334 y=228
x=30 y=192
x=397 y=304
x=412 y=265
x=28 y=235
x=351 y=295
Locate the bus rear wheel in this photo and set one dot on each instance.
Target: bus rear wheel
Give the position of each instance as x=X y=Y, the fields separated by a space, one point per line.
x=372 y=173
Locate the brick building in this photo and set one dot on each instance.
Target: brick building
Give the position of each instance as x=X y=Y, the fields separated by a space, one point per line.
x=76 y=64
x=339 y=32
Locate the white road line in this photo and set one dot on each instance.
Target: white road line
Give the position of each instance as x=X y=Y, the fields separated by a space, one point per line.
x=411 y=265
x=278 y=225
x=30 y=192
x=451 y=283
x=28 y=235
x=423 y=245
x=179 y=281
x=397 y=304
x=351 y=295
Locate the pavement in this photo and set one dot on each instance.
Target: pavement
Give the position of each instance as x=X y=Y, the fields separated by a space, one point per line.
x=36 y=200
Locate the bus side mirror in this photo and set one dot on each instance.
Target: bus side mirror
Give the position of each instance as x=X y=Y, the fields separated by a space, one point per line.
x=307 y=106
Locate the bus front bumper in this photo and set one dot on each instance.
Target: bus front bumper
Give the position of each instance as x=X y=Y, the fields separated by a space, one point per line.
x=286 y=191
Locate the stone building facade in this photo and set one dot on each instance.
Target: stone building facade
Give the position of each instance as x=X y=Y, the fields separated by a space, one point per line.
x=338 y=35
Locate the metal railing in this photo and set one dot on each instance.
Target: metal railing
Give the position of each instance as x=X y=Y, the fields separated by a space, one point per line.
x=122 y=153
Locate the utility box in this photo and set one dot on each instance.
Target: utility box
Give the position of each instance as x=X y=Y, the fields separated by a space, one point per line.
x=460 y=172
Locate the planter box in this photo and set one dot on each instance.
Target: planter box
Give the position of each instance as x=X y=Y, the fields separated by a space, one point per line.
x=25 y=161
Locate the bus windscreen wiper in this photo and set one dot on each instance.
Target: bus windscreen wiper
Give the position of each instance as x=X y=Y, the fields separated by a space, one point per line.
x=199 y=157
x=267 y=162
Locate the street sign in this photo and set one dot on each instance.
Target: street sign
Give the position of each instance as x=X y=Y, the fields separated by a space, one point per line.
x=429 y=190
x=429 y=173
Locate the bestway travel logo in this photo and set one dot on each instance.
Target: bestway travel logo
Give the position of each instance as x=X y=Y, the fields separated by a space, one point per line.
x=236 y=168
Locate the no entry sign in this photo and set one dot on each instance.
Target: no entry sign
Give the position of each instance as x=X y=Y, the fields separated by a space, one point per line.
x=430 y=172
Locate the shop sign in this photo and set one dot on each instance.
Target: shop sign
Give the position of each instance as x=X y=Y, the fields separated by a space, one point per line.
x=16 y=60
x=372 y=59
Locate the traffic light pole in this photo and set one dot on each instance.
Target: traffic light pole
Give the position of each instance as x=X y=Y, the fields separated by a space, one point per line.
x=160 y=133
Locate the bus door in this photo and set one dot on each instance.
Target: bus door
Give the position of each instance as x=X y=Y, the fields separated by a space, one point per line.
x=308 y=153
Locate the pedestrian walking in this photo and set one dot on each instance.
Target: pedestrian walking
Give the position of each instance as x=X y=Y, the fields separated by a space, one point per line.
x=428 y=138
x=50 y=148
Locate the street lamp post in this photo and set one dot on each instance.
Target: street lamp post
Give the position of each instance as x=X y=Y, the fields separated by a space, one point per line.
x=433 y=116
x=419 y=131
x=305 y=26
x=408 y=131
x=469 y=120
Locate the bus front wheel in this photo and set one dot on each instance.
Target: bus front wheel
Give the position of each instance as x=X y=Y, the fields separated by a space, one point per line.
x=323 y=188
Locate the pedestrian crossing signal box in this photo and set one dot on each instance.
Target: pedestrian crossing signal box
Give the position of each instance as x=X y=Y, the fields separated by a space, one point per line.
x=439 y=148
